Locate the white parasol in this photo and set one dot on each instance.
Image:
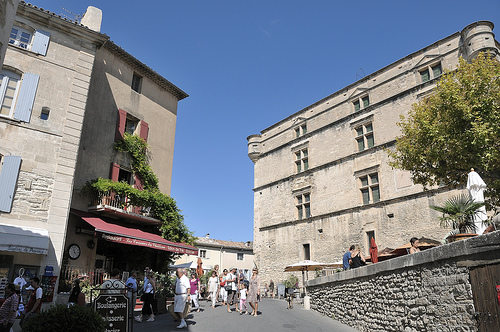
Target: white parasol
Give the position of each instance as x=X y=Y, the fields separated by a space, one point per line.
x=305 y=266
x=476 y=187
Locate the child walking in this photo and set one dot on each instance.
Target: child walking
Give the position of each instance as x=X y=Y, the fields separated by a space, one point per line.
x=243 y=298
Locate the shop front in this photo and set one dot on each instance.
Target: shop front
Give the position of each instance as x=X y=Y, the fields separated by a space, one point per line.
x=95 y=244
x=22 y=251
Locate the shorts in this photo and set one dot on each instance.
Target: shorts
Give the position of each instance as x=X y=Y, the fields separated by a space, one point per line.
x=180 y=302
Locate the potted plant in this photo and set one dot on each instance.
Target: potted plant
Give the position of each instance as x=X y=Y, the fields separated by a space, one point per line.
x=459 y=213
x=164 y=291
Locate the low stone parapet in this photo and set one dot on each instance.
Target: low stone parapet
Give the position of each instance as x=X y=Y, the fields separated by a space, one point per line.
x=426 y=291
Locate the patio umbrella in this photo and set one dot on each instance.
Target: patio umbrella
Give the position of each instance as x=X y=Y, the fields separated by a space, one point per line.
x=476 y=187
x=373 y=251
x=190 y=265
x=304 y=266
x=424 y=243
x=199 y=269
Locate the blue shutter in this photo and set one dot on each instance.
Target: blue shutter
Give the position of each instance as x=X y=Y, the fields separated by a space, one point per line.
x=40 y=42
x=8 y=180
x=26 y=97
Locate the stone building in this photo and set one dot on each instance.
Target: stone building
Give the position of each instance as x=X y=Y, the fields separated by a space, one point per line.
x=226 y=254
x=321 y=176
x=44 y=83
x=67 y=94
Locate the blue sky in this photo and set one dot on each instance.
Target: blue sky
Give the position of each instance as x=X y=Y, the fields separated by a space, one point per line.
x=248 y=64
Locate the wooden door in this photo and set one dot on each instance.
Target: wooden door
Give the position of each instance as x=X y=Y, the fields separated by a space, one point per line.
x=484 y=282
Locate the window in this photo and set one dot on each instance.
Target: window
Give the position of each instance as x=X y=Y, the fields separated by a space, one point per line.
x=136 y=83
x=17 y=94
x=301 y=160
x=131 y=125
x=239 y=256
x=20 y=37
x=300 y=130
x=127 y=123
x=430 y=72
x=369 y=187
x=361 y=103
x=36 y=42
x=9 y=173
x=369 y=236
x=10 y=85
x=307 y=251
x=303 y=205
x=203 y=253
x=364 y=136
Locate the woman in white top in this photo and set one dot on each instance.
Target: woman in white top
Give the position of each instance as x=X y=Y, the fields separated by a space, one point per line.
x=213 y=287
x=148 y=296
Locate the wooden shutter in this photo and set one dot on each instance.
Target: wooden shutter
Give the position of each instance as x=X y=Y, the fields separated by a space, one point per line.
x=138 y=183
x=26 y=97
x=8 y=181
x=114 y=172
x=120 y=125
x=40 y=42
x=144 y=131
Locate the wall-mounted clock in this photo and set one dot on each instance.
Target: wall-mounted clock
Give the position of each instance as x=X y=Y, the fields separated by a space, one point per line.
x=74 y=251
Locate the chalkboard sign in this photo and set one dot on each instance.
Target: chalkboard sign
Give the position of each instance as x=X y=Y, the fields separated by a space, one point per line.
x=114 y=309
x=48 y=285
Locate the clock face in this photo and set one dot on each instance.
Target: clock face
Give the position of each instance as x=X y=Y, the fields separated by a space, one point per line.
x=74 y=251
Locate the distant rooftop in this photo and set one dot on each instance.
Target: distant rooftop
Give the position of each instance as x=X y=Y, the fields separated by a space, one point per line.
x=206 y=240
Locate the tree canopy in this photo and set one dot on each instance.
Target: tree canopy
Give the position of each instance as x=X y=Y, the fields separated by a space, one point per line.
x=455 y=129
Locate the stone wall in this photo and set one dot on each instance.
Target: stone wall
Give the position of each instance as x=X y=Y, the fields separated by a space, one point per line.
x=427 y=291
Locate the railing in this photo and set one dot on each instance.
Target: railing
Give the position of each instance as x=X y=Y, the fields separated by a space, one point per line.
x=69 y=273
x=120 y=202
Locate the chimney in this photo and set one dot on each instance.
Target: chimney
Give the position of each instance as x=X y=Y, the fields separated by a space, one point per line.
x=92 y=18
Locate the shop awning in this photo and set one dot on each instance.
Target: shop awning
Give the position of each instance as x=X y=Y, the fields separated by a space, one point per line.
x=136 y=237
x=24 y=239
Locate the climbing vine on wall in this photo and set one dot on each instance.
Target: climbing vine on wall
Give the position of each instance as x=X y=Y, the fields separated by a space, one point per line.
x=163 y=207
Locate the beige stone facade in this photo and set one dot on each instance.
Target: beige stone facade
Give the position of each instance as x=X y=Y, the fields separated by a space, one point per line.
x=45 y=79
x=321 y=176
x=226 y=254
x=67 y=94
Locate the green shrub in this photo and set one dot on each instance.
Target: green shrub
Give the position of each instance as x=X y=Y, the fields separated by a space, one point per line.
x=60 y=318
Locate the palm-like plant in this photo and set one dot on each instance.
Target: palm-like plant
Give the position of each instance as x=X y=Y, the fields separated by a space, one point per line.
x=459 y=212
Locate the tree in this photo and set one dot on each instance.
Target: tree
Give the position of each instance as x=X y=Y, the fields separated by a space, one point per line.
x=454 y=129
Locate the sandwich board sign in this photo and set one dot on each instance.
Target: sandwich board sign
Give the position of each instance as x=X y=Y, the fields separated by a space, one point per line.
x=114 y=309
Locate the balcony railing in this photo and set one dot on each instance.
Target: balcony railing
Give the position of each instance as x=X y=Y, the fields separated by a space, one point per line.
x=120 y=202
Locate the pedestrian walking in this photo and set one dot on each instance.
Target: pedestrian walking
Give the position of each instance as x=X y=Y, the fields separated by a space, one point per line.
x=213 y=287
x=194 y=283
x=223 y=292
x=8 y=311
x=243 y=298
x=131 y=285
x=182 y=290
x=232 y=290
x=147 y=298
x=254 y=291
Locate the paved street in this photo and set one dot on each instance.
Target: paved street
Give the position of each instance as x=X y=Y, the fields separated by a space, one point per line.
x=273 y=316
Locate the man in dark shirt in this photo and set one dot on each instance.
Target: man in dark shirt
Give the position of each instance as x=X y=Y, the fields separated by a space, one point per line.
x=346 y=259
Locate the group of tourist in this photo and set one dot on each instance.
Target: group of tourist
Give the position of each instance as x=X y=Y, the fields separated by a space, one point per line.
x=231 y=288
x=11 y=305
x=354 y=257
